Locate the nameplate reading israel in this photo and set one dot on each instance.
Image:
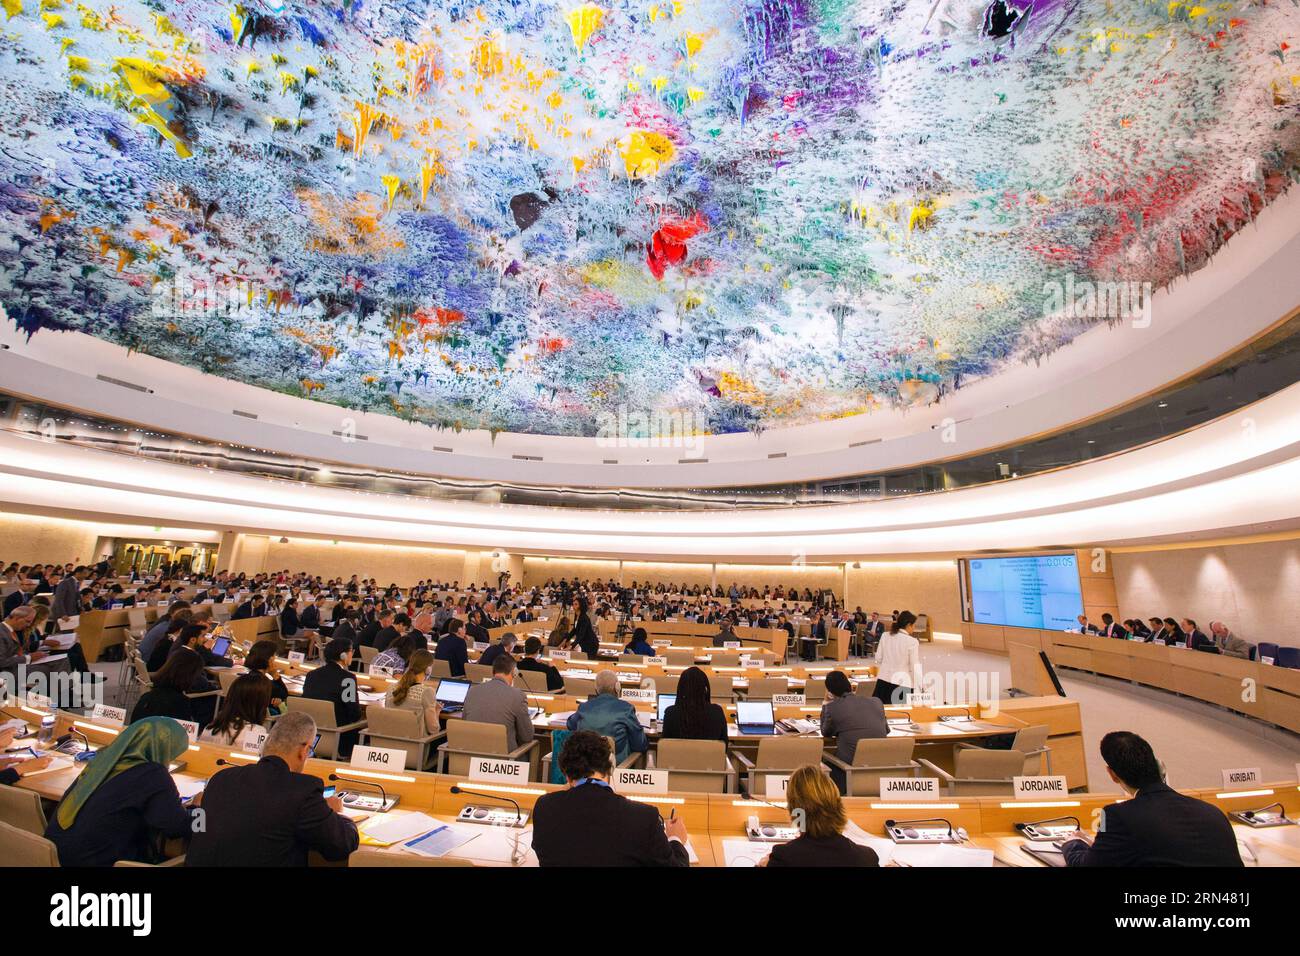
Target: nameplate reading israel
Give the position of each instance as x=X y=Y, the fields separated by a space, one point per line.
x=496 y=770
x=788 y=700
x=378 y=758
x=909 y=788
x=636 y=693
x=641 y=781
x=1241 y=778
x=1038 y=788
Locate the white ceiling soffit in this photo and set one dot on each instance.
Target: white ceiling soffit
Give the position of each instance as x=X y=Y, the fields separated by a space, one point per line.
x=1233 y=475
x=1251 y=284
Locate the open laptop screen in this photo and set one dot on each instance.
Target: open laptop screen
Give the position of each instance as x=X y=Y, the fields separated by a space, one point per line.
x=452 y=691
x=664 y=702
x=754 y=713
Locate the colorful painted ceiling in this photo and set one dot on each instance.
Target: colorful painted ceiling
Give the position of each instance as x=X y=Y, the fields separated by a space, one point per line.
x=530 y=216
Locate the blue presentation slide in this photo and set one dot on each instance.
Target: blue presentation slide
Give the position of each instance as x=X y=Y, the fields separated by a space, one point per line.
x=1040 y=592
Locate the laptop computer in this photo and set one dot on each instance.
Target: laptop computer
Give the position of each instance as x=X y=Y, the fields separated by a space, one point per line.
x=662 y=703
x=451 y=694
x=755 y=717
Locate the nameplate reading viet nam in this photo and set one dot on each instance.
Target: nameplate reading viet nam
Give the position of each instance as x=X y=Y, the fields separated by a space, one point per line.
x=1038 y=788
x=921 y=700
x=1241 y=778
x=378 y=758
x=496 y=770
x=909 y=788
x=636 y=693
x=788 y=700
x=641 y=781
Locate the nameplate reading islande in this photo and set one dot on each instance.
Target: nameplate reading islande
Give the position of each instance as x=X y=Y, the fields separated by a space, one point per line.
x=1038 y=788
x=909 y=788
x=496 y=770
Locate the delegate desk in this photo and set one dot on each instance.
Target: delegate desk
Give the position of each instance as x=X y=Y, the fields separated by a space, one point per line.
x=716 y=823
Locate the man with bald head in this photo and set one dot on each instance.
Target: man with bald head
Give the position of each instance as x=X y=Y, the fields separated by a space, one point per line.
x=1230 y=644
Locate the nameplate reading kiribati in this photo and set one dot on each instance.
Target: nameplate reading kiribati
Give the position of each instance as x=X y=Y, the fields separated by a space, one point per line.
x=495 y=770
x=1242 y=778
x=788 y=700
x=636 y=693
x=378 y=758
x=1040 y=788
x=641 y=781
x=909 y=788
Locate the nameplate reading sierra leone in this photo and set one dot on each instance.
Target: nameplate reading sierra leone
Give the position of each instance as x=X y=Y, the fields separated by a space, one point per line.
x=496 y=770
x=636 y=693
x=909 y=788
x=1036 y=788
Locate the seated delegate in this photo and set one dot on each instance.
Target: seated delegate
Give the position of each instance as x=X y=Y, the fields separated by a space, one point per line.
x=605 y=714
x=588 y=824
x=848 y=717
x=822 y=842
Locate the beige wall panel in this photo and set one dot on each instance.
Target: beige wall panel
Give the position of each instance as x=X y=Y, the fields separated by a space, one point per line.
x=918 y=586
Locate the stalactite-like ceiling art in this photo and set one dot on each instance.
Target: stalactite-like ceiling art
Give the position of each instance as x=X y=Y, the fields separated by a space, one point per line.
x=524 y=215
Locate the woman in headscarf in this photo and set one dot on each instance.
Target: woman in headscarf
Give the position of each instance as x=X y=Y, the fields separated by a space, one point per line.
x=124 y=800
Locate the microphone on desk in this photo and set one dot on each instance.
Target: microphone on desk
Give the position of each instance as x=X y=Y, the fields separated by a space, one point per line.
x=519 y=813
x=383 y=794
x=747 y=795
x=73 y=732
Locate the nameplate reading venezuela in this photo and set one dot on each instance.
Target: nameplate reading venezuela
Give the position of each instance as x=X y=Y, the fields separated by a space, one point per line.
x=636 y=693
x=641 y=781
x=1241 y=778
x=788 y=700
x=377 y=758
x=496 y=770
x=909 y=788
x=1038 y=788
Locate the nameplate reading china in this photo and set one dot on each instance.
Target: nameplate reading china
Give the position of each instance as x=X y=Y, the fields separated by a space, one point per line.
x=1241 y=778
x=378 y=758
x=788 y=700
x=112 y=715
x=641 y=781
x=1038 y=788
x=496 y=770
x=909 y=788
x=636 y=693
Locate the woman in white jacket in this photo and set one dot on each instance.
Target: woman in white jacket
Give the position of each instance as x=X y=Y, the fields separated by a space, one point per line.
x=898 y=661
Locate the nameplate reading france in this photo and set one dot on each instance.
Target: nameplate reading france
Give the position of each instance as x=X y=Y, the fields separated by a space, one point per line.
x=1241 y=778
x=1037 y=788
x=909 y=788
x=495 y=770
x=377 y=758
x=641 y=781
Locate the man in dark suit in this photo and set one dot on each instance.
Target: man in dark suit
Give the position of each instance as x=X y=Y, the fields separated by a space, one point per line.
x=1196 y=639
x=67 y=596
x=310 y=618
x=1158 y=826
x=333 y=682
x=1110 y=629
x=453 y=649
x=532 y=662
x=590 y=825
x=725 y=635
x=271 y=813
x=396 y=629
x=504 y=646
x=255 y=606
x=370 y=633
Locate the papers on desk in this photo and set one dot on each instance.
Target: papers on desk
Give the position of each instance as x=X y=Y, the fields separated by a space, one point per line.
x=919 y=855
x=16 y=725
x=393 y=828
x=61 y=641
x=49 y=659
x=371 y=697
x=57 y=762
x=803 y=725
x=438 y=842
x=741 y=851
x=187 y=787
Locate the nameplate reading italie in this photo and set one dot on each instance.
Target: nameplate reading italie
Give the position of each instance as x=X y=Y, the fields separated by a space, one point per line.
x=1038 y=788
x=641 y=781
x=909 y=788
x=636 y=693
x=1241 y=778
x=191 y=729
x=112 y=715
x=297 y=657
x=378 y=758
x=496 y=770
x=788 y=700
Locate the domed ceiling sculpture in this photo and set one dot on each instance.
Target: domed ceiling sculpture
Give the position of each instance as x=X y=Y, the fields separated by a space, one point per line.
x=526 y=216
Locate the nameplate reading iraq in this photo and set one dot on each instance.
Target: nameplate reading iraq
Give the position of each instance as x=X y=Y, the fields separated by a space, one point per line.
x=1037 y=788
x=496 y=770
x=909 y=788
x=377 y=758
